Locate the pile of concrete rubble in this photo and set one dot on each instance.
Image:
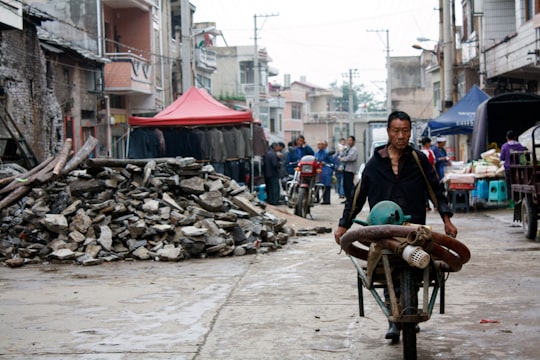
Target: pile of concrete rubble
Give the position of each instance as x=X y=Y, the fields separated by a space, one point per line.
x=159 y=209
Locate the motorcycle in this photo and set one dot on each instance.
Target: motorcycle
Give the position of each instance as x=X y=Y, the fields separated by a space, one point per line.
x=303 y=186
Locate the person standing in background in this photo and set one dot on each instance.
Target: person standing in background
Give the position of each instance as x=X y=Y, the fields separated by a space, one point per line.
x=426 y=149
x=302 y=148
x=510 y=145
x=441 y=157
x=260 y=146
x=291 y=161
x=350 y=163
x=338 y=166
x=272 y=166
x=325 y=177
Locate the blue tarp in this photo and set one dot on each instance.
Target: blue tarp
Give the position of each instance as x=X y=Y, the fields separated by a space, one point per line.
x=459 y=119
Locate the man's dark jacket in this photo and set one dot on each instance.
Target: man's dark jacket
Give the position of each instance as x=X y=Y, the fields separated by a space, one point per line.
x=271 y=164
x=407 y=189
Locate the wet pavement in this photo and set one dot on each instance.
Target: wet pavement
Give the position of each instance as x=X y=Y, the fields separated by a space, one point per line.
x=299 y=302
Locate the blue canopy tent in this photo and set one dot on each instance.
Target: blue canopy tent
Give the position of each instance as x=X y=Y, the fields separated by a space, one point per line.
x=459 y=119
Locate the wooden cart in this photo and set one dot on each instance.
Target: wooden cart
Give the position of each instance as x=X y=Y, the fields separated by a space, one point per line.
x=525 y=186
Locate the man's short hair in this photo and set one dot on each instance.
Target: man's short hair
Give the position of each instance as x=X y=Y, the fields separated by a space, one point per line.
x=425 y=140
x=401 y=115
x=353 y=138
x=510 y=134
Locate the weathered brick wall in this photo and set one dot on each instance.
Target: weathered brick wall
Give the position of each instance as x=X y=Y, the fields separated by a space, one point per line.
x=32 y=105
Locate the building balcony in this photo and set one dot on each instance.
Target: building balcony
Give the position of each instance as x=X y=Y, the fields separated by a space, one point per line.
x=205 y=59
x=139 y=4
x=516 y=56
x=248 y=90
x=128 y=74
x=327 y=117
x=343 y=116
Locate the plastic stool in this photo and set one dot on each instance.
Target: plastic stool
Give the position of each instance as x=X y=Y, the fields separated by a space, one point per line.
x=497 y=191
x=482 y=189
x=460 y=200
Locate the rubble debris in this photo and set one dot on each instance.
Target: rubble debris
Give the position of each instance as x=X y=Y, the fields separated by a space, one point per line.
x=88 y=211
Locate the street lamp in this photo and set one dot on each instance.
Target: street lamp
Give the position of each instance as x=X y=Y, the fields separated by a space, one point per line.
x=418 y=47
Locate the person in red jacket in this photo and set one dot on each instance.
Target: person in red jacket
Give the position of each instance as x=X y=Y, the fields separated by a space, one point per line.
x=426 y=149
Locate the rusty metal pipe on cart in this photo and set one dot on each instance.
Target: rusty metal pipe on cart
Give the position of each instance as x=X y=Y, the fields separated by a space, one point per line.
x=449 y=253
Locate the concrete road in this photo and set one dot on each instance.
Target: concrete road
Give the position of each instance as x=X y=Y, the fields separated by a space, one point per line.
x=296 y=303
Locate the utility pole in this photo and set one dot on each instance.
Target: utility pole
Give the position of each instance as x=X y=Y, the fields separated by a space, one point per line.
x=178 y=73
x=352 y=73
x=186 y=45
x=448 y=46
x=256 y=70
x=388 y=70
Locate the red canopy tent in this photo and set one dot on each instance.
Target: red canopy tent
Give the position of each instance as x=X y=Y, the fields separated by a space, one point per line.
x=194 y=107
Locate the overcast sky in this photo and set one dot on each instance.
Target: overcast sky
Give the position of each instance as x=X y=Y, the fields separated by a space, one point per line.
x=322 y=40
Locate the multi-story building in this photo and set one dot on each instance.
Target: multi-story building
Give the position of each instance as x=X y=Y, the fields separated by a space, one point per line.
x=204 y=58
x=133 y=36
x=412 y=86
x=29 y=110
x=311 y=110
x=501 y=39
x=235 y=82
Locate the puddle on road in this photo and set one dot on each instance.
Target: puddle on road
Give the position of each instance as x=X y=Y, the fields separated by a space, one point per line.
x=154 y=324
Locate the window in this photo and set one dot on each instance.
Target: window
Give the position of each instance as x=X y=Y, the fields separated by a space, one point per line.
x=93 y=80
x=529 y=11
x=203 y=81
x=246 y=72
x=296 y=111
x=437 y=95
x=118 y=101
x=88 y=114
x=49 y=74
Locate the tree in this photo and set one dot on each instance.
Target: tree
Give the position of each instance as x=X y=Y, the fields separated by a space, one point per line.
x=361 y=97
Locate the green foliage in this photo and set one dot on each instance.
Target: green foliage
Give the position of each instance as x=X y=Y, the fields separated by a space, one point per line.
x=229 y=97
x=360 y=96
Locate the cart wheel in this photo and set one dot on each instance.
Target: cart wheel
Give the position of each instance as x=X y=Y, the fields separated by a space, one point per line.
x=409 y=303
x=529 y=216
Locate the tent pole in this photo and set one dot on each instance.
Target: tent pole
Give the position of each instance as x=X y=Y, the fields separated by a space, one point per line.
x=127 y=142
x=252 y=172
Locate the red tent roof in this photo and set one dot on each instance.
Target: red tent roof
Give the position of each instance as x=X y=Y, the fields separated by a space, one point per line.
x=194 y=107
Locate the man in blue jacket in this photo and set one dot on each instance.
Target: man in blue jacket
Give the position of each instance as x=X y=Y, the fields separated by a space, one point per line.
x=441 y=157
x=325 y=177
